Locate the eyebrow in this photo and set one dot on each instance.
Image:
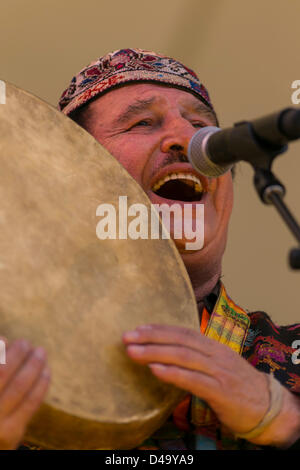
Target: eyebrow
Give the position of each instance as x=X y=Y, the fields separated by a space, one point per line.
x=141 y=105
x=133 y=109
x=202 y=109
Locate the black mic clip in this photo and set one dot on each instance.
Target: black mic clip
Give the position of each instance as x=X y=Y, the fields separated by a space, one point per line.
x=254 y=147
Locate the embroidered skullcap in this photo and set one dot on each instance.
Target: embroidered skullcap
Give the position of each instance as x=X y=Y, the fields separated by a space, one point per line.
x=126 y=66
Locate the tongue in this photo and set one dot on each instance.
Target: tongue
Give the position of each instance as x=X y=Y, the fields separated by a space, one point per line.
x=179 y=190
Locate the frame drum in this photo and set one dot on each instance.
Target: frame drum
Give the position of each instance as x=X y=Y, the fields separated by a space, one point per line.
x=74 y=294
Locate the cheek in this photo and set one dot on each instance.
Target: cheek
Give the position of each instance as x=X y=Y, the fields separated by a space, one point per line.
x=218 y=210
x=224 y=195
x=224 y=206
x=130 y=156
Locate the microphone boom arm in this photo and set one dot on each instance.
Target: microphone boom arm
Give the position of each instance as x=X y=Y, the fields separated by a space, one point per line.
x=267 y=138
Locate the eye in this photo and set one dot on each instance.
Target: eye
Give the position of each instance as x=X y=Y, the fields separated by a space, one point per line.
x=198 y=124
x=142 y=122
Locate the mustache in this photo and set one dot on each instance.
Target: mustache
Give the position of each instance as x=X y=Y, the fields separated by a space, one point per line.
x=179 y=157
x=174 y=157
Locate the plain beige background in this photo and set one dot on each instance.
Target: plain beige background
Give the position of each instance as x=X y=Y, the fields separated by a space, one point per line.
x=247 y=53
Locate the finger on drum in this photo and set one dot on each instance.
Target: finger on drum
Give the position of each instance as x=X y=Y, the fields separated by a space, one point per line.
x=15 y=356
x=22 y=382
x=34 y=397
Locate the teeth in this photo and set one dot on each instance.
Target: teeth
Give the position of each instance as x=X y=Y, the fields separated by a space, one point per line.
x=180 y=176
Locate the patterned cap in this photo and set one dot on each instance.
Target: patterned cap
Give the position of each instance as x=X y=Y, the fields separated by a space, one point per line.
x=128 y=66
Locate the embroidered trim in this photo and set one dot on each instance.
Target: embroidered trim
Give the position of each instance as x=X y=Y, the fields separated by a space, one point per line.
x=228 y=325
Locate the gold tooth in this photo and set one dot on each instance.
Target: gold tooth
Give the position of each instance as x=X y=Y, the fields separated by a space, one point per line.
x=157 y=185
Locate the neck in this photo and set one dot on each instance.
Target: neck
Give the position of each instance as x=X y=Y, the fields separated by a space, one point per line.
x=203 y=280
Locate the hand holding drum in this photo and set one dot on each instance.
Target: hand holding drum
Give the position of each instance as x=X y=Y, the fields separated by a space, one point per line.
x=24 y=382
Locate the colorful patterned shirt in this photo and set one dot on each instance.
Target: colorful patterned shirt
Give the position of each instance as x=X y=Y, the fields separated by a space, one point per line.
x=268 y=347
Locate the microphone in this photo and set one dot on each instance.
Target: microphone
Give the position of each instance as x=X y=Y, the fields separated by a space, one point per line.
x=213 y=151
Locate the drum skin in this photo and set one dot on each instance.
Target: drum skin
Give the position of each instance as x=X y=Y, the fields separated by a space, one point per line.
x=66 y=290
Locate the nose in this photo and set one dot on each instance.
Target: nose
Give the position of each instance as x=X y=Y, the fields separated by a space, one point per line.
x=177 y=134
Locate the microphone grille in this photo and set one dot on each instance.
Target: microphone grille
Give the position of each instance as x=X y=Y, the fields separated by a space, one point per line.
x=198 y=154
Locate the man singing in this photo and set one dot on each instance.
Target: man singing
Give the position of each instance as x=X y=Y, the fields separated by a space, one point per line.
x=242 y=385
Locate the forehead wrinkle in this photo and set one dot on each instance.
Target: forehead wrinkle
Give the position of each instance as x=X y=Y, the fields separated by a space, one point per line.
x=133 y=109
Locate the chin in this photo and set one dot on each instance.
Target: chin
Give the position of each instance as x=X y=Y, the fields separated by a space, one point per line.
x=181 y=247
x=210 y=254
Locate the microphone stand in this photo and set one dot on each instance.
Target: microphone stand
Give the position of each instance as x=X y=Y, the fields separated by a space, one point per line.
x=272 y=191
x=265 y=141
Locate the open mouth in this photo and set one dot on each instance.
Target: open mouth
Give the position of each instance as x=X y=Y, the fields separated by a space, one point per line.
x=179 y=187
